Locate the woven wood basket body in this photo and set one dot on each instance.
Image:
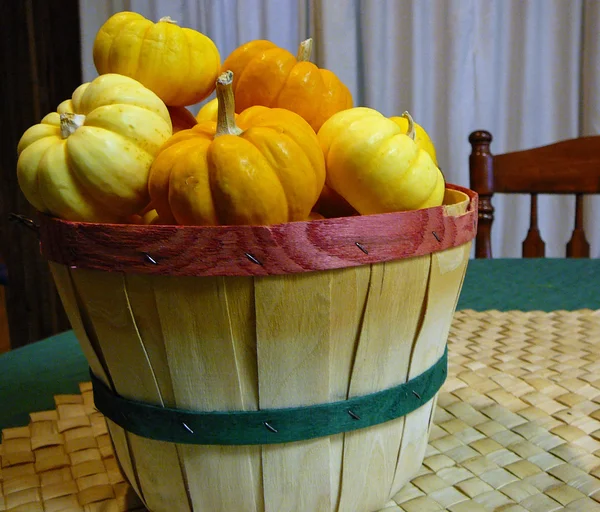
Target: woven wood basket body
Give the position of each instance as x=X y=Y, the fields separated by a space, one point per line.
x=249 y=318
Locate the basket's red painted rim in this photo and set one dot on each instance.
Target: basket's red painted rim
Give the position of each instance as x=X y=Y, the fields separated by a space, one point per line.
x=257 y=250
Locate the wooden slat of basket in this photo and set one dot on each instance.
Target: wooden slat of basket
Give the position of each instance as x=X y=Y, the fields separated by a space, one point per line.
x=153 y=457
x=447 y=270
x=348 y=300
x=376 y=449
x=68 y=296
x=107 y=308
x=201 y=350
x=144 y=312
x=240 y=310
x=89 y=345
x=287 y=322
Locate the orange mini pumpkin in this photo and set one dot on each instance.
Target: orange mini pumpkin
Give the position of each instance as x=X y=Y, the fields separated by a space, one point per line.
x=266 y=167
x=265 y=74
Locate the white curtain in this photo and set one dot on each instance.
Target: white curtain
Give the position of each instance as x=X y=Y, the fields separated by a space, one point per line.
x=526 y=70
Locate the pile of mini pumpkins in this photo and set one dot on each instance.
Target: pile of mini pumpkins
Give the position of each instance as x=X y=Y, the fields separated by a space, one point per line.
x=281 y=141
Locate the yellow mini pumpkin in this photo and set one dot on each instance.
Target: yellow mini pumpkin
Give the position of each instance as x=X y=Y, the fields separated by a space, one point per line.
x=376 y=166
x=179 y=64
x=89 y=160
x=265 y=168
x=209 y=111
x=265 y=74
x=421 y=137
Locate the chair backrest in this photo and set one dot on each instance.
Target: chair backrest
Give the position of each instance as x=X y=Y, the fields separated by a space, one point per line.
x=567 y=167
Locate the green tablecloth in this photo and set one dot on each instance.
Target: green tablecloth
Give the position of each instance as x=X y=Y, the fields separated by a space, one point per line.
x=32 y=375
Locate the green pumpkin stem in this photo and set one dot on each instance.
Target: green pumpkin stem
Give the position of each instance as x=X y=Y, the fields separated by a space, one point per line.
x=411 y=125
x=69 y=123
x=226 y=113
x=305 y=50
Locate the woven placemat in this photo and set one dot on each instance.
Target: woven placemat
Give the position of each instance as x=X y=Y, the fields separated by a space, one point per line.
x=517 y=428
x=63 y=462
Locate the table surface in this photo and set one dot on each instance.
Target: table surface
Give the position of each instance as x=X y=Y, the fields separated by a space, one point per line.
x=516 y=428
x=33 y=374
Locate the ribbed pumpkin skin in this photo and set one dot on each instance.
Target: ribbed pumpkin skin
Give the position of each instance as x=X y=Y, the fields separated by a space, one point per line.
x=273 y=172
x=422 y=138
x=375 y=166
x=265 y=74
x=179 y=64
x=98 y=173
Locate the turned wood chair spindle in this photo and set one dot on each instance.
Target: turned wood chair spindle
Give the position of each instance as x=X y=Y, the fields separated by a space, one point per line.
x=566 y=167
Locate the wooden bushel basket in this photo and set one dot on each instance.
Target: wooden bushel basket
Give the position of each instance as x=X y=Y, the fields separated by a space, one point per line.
x=248 y=318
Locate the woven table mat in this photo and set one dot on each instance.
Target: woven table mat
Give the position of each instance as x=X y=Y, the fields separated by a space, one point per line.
x=517 y=428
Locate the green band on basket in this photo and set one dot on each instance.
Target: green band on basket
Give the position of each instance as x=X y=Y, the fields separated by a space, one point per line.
x=273 y=425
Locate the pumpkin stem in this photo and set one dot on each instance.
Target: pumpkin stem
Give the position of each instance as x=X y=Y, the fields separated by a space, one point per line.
x=226 y=113
x=69 y=123
x=411 y=125
x=167 y=19
x=305 y=50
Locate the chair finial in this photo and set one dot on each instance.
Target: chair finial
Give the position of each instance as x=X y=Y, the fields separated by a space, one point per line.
x=480 y=137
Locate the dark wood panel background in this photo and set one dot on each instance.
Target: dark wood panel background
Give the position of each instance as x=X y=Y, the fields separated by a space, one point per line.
x=41 y=62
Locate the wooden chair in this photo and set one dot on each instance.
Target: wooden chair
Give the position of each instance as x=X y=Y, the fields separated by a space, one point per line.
x=567 y=167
